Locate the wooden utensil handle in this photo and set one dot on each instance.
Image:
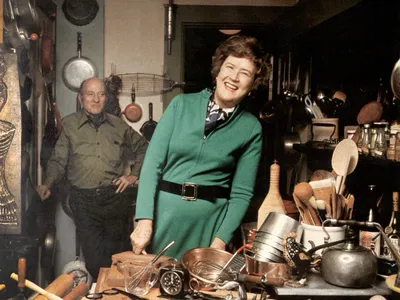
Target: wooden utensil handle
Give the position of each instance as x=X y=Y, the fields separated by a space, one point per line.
x=59 y=287
x=80 y=290
x=302 y=210
x=36 y=288
x=313 y=215
x=21 y=272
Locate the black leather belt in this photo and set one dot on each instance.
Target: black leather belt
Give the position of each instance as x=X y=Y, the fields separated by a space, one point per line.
x=191 y=191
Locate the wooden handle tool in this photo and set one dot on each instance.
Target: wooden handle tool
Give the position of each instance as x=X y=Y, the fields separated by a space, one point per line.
x=60 y=286
x=21 y=273
x=36 y=288
x=80 y=290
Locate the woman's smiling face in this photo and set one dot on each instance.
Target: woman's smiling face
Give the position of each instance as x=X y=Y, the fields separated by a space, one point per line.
x=234 y=81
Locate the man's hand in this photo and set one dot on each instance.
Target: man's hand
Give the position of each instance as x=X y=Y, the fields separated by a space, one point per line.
x=218 y=244
x=141 y=236
x=43 y=191
x=123 y=182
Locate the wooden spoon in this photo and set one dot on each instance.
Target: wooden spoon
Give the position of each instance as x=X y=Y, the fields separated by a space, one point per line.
x=304 y=192
x=302 y=210
x=370 y=112
x=321 y=175
x=344 y=161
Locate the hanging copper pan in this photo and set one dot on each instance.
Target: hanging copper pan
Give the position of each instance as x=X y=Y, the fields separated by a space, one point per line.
x=46 y=53
x=133 y=112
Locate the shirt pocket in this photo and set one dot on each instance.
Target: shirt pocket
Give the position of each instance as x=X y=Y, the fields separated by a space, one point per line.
x=113 y=152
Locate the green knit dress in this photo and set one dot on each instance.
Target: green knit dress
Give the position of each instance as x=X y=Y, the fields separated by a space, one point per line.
x=179 y=152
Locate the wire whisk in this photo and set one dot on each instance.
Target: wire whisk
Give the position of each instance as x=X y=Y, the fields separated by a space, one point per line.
x=145 y=273
x=210 y=271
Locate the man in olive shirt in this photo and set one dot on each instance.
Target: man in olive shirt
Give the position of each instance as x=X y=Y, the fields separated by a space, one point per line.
x=89 y=152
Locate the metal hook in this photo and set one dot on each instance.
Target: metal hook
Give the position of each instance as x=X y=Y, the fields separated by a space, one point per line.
x=326 y=239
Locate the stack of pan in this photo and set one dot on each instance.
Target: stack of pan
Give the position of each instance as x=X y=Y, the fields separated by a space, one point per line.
x=267 y=245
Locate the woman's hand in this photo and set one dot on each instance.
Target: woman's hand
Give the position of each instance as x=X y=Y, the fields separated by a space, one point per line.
x=141 y=236
x=218 y=244
x=123 y=182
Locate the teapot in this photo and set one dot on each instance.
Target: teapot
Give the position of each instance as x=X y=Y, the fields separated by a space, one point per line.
x=349 y=265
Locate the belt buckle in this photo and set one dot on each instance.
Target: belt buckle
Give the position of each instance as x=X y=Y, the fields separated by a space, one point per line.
x=189 y=185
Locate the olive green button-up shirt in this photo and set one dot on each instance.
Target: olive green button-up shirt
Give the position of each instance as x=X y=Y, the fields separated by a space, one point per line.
x=93 y=157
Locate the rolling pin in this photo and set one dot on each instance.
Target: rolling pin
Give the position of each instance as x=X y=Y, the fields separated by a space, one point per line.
x=36 y=288
x=60 y=286
x=80 y=290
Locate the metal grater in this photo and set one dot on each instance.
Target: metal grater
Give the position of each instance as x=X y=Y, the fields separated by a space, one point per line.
x=235 y=265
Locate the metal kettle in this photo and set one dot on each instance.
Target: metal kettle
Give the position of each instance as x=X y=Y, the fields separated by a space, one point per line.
x=349 y=265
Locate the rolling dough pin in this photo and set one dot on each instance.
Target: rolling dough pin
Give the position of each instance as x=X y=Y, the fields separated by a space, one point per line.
x=60 y=286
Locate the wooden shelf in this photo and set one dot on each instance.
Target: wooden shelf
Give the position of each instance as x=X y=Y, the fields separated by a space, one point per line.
x=369 y=170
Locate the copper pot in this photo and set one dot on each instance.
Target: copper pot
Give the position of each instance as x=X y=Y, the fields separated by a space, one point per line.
x=277 y=273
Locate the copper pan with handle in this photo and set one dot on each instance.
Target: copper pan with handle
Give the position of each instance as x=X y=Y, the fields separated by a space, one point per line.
x=133 y=112
x=46 y=51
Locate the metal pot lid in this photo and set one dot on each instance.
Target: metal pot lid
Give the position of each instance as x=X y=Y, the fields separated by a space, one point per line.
x=395 y=79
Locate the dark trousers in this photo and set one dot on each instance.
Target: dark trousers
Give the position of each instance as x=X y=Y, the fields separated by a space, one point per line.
x=102 y=221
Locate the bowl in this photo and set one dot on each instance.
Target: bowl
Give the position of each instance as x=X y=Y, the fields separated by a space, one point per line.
x=204 y=264
x=139 y=280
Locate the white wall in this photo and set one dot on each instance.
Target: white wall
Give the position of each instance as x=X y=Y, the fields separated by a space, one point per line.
x=134 y=42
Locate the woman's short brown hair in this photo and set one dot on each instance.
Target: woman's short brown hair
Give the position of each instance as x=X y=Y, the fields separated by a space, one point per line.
x=242 y=46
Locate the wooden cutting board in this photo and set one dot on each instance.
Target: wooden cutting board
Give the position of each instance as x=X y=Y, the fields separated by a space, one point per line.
x=115 y=278
x=129 y=255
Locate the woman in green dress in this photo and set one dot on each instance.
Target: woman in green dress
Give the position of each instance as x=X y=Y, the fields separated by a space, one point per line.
x=199 y=172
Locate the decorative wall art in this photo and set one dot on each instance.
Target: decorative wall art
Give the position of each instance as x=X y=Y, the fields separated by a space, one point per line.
x=10 y=146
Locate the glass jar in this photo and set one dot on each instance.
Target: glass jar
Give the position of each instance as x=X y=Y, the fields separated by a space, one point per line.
x=366 y=141
x=391 y=151
x=380 y=147
x=397 y=147
x=360 y=139
x=374 y=135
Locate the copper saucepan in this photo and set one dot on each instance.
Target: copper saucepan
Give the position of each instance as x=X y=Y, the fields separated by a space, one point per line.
x=133 y=112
